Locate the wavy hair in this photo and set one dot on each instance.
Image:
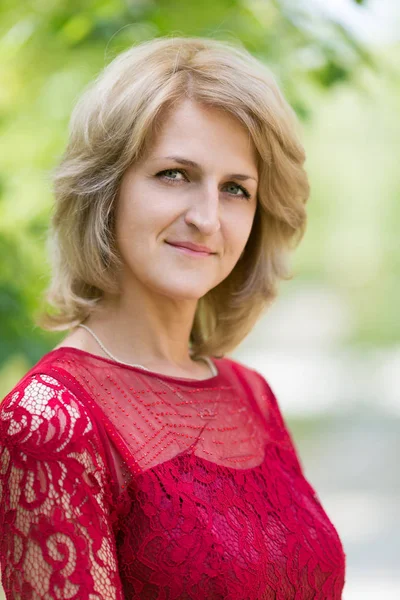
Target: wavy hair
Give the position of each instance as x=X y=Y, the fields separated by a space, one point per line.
x=111 y=126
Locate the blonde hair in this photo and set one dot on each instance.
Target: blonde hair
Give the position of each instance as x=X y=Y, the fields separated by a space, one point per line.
x=110 y=128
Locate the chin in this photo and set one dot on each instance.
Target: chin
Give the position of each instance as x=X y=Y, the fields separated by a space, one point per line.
x=187 y=284
x=187 y=293
x=183 y=290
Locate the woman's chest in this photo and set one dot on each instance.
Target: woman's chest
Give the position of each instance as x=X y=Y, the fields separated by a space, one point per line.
x=246 y=533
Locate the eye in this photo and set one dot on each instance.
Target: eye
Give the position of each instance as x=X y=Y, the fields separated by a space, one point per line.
x=168 y=175
x=242 y=189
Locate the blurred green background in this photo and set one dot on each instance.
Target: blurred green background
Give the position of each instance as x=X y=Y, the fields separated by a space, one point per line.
x=344 y=299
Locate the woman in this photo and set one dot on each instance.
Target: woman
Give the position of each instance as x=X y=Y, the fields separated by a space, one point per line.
x=138 y=461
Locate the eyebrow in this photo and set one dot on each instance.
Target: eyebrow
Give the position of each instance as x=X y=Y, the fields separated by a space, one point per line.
x=191 y=163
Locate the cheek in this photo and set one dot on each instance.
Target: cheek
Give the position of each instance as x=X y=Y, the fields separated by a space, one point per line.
x=139 y=227
x=128 y=230
x=144 y=208
x=240 y=229
x=133 y=216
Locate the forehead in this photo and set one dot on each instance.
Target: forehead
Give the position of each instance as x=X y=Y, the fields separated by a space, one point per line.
x=204 y=133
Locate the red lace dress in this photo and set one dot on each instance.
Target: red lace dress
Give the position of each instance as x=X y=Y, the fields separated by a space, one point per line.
x=117 y=483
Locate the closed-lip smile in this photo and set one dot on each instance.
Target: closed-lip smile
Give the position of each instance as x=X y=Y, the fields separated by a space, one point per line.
x=191 y=246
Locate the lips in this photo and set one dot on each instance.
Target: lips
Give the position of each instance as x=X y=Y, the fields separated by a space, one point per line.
x=192 y=247
x=194 y=254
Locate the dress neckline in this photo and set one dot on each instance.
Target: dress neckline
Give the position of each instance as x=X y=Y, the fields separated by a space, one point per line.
x=190 y=381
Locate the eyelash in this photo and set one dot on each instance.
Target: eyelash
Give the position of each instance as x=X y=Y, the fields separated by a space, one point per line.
x=246 y=194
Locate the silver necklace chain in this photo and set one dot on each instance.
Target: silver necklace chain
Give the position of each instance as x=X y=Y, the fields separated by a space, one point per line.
x=102 y=346
x=204 y=413
x=206 y=358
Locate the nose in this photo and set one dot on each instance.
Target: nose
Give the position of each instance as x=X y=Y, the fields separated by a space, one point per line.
x=203 y=211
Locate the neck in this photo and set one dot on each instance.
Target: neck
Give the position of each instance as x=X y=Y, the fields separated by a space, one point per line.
x=145 y=335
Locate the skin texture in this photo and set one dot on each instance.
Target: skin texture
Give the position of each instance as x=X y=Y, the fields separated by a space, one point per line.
x=150 y=322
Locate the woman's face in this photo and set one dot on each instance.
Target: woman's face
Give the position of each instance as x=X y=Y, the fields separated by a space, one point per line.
x=197 y=183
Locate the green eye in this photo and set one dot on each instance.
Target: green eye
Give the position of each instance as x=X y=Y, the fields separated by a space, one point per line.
x=241 y=188
x=166 y=173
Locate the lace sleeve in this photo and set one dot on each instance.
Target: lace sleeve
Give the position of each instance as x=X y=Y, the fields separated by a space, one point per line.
x=56 y=540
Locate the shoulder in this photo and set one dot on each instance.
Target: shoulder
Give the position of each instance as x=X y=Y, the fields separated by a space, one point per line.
x=261 y=390
x=257 y=385
x=41 y=414
x=250 y=376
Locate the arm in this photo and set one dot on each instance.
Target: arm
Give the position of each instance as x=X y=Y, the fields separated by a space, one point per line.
x=56 y=539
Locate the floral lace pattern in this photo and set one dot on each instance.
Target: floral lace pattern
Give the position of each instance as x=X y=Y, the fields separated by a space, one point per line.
x=115 y=486
x=56 y=539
